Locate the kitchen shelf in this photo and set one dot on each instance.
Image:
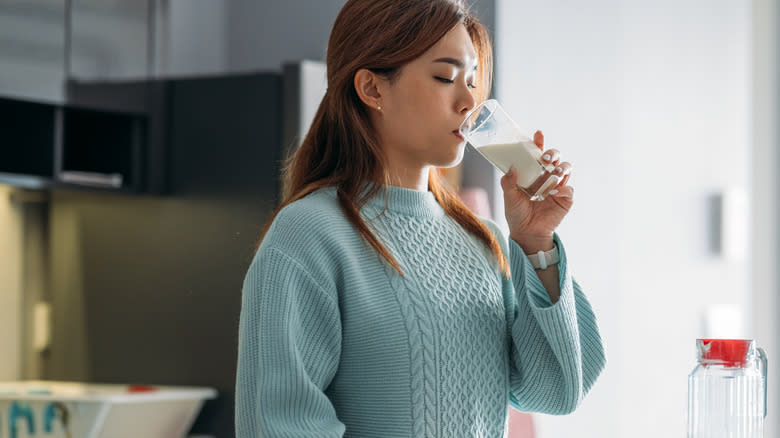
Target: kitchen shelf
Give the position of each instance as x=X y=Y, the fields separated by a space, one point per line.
x=28 y=136
x=144 y=136
x=102 y=149
x=46 y=145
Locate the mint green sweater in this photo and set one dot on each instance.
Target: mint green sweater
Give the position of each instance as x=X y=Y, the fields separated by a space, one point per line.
x=333 y=342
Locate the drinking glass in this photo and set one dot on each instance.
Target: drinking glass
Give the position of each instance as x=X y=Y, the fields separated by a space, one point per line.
x=490 y=130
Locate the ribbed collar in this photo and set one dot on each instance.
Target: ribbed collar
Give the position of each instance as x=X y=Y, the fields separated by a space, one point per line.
x=406 y=201
x=401 y=200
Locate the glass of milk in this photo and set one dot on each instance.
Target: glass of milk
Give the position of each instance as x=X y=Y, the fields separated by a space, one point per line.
x=490 y=130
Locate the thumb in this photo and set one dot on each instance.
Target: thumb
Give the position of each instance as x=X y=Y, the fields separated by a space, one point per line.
x=509 y=180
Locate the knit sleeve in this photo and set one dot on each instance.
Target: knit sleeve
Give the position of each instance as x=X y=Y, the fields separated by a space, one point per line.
x=556 y=349
x=288 y=352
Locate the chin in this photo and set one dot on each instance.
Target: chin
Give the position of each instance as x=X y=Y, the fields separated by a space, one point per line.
x=454 y=159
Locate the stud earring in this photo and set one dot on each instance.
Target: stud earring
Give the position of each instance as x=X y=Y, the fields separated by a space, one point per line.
x=379 y=107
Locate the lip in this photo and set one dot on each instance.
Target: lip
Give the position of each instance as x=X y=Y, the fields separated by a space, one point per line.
x=458 y=134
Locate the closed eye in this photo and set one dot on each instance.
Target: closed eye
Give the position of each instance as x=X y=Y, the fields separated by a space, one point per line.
x=450 y=81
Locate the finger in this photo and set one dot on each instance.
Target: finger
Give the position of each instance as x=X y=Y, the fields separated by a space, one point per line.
x=509 y=180
x=563 y=169
x=539 y=139
x=563 y=192
x=551 y=156
x=564 y=181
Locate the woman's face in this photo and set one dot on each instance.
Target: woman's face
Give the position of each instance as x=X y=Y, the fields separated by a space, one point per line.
x=425 y=105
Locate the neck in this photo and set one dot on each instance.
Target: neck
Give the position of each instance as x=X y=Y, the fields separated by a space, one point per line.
x=405 y=172
x=410 y=178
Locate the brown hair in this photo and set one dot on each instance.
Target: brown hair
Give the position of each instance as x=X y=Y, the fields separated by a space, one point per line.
x=341 y=148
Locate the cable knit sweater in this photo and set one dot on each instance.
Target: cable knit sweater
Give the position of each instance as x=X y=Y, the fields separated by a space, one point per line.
x=333 y=342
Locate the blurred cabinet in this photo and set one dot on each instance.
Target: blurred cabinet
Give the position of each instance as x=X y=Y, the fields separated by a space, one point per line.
x=43 y=43
x=29 y=135
x=131 y=39
x=111 y=39
x=139 y=136
x=32 y=49
x=45 y=145
x=102 y=149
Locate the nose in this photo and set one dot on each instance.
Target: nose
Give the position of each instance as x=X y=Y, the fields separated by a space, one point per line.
x=466 y=100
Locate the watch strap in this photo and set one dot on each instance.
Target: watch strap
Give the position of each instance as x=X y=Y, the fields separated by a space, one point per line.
x=543 y=259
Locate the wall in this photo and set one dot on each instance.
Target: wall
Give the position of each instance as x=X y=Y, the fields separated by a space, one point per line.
x=266 y=34
x=10 y=288
x=766 y=193
x=651 y=102
x=263 y=35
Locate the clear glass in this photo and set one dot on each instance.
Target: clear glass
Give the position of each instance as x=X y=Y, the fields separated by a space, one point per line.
x=727 y=400
x=490 y=130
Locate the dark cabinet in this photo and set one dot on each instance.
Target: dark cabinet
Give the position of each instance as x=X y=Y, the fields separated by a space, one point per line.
x=102 y=149
x=144 y=136
x=29 y=133
x=46 y=145
x=107 y=136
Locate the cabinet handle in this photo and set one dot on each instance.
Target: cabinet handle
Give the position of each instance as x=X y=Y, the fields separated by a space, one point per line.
x=92 y=179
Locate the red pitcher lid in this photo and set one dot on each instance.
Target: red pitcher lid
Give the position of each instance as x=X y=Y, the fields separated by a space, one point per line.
x=729 y=352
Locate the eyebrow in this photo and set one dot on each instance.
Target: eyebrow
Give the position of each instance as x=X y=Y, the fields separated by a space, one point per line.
x=456 y=62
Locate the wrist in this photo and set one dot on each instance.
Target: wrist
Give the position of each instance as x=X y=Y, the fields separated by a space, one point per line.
x=533 y=244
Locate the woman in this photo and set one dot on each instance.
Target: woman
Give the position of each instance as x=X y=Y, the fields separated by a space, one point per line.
x=377 y=304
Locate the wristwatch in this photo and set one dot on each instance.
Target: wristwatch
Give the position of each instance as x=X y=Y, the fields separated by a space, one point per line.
x=543 y=259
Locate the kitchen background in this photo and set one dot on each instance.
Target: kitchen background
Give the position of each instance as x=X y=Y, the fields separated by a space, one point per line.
x=667 y=109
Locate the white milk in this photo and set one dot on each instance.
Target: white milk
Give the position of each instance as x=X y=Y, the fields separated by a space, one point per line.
x=523 y=155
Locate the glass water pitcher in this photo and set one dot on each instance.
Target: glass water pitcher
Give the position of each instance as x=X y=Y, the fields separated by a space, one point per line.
x=727 y=390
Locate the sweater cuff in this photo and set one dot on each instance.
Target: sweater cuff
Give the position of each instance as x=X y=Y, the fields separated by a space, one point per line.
x=526 y=279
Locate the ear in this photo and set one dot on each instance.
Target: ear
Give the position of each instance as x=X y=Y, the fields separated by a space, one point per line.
x=367 y=86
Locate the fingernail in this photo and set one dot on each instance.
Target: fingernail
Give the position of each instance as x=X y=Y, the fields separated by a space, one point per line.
x=552 y=192
x=558 y=170
x=546 y=157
